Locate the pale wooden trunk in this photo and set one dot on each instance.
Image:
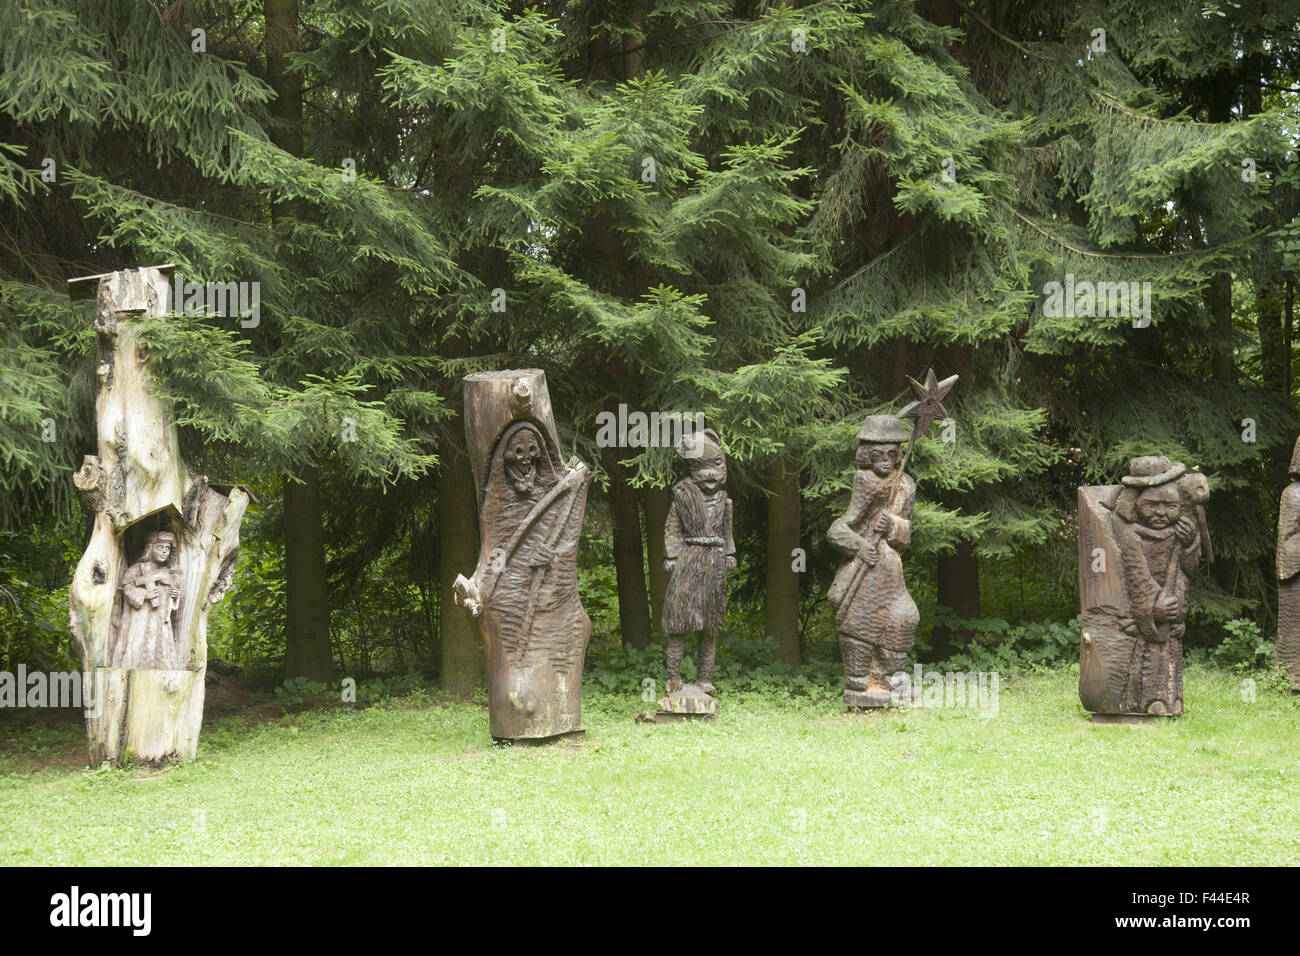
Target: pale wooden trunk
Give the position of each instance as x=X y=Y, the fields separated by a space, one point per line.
x=137 y=484
x=1104 y=648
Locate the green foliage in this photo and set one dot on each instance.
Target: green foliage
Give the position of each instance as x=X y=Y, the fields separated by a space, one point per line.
x=1244 y=650
x=295 y=690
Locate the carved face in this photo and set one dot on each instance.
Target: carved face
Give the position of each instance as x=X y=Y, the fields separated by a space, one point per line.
x=882 y=459
x=524 y=460
x=709 y=471
x=161 y=552
x=1158 y=507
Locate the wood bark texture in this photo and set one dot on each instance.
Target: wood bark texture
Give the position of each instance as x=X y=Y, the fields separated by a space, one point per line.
x=144 y=496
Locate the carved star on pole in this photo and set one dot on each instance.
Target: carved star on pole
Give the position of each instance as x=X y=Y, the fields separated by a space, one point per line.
x=929 y=403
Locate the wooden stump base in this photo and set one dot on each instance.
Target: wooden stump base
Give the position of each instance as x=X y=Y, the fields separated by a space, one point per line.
x=687 y=703
x=669 y=717
x=868 y=699
x=578 y=734
x=1126 y=718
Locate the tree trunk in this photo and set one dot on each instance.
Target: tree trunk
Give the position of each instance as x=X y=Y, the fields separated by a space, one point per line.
x=161 y=555
x=462 y=650
x=307 y=642
x=629 y=566
x=281 y=40
x=656 y=518
x=781 y=601
x=1268 y=322
x=959 y=591
x=307 y=634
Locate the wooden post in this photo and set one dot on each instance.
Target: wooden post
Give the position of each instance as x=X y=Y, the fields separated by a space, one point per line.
x=161 y=555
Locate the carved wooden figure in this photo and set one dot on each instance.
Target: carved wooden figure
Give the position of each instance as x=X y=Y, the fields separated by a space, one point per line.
x=1137 y=544
x=524 y=591
x=874 y=614
x=698 y=553
x=1288 y=575
x=162 y=552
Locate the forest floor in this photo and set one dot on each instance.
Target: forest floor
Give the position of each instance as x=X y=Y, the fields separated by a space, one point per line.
x=774 y=780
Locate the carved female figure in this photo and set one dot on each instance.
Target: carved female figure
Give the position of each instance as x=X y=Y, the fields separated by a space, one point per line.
x=149 y=595
x=874 y=613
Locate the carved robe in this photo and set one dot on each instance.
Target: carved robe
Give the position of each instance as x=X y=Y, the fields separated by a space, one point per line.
x=533 y=610
x=1154 y=565
x=872 y=603
x=145 y=634
x=698 y=536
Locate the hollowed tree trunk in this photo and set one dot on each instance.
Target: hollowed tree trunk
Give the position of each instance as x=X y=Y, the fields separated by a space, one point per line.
x=144 y=684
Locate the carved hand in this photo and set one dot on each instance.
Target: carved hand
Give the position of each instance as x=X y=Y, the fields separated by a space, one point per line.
x=883 y=523
x=136 y=602
x=1186 y=531
x=869 y=553
x=467 y=595
x=1167 y=608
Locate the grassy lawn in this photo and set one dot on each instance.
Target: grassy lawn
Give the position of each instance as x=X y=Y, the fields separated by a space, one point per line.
x=772 y=781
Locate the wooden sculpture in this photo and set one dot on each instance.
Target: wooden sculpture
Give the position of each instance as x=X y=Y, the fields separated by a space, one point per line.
x=698 y=553
x=874 y=613
x=162 y=552
x=1288 y=575
x=524 y=591
x=1137 y=543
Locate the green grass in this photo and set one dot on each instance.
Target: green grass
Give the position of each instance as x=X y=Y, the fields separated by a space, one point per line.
x=772 y=781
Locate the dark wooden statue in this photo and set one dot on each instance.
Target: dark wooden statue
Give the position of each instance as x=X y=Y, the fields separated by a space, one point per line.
x=1288 y=575
x=524 y=592
x=1137 y=543
x=874 y=614
x=698 y=553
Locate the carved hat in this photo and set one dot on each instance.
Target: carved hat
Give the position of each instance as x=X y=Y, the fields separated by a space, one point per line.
x=883 y=430
x=697 y=445
x=160 y=537
x=1148 y=471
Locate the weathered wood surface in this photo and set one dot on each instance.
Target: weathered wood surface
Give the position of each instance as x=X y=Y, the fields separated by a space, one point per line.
x=523 y=594
x=875 y=616
x=1104 y=647
x=1288 y=575
x=1138 y=542
x=138 y=486
x=699 y=550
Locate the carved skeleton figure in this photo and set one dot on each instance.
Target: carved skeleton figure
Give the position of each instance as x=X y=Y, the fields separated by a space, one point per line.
x=874 y=613
x=698 y=553
x=524 y=591
x=149 y=596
